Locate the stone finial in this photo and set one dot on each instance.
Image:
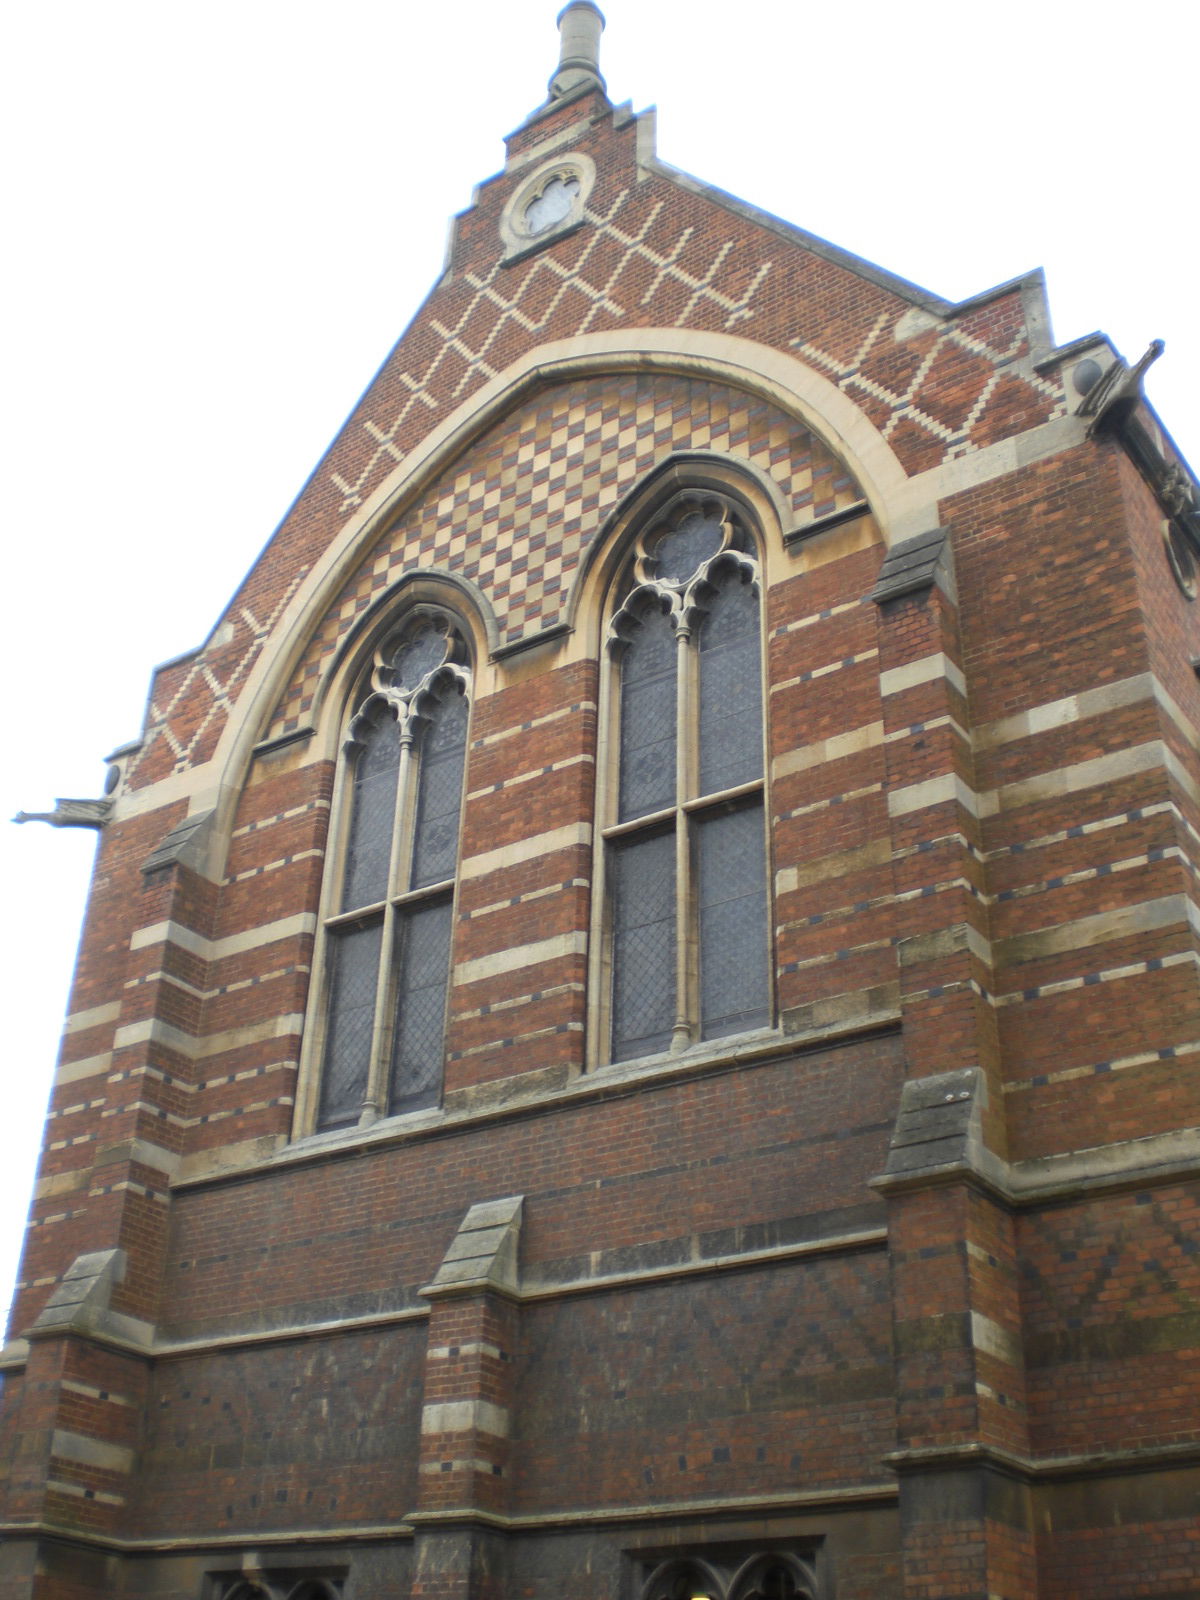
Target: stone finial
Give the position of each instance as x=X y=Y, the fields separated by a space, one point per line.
x=580 y=25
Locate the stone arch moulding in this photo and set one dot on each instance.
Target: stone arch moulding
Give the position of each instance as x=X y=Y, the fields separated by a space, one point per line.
x=758 y=369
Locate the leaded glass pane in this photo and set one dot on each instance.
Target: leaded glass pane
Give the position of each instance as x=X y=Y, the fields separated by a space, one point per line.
x=353 y=971
x=643 y=945
x=681 y=551
x=423 y=969
x=731 y=893
x=731 y=742
x=648 y=718
x=372 y=815
x=439 y=795
x=418 y=655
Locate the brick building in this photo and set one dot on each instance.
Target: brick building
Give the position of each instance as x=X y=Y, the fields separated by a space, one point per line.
x=636 y=1029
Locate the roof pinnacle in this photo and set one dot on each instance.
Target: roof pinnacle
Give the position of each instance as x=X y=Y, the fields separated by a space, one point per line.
x=580 y=24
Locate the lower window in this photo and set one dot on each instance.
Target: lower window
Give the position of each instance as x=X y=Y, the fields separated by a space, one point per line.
x=275 y=1586
x=732 y=1574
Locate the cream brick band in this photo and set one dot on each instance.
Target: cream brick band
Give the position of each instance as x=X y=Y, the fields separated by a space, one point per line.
x=466 y=1416
x=825 y=670
x=521 y=955
x=1122 y=923
x=515 y=782
x=231 y=945
x=68 y=1446
x=927 y=669
x=932 y=792
x=79 y=1021
x=850 y=743
x=522 y=850
x=504 y=734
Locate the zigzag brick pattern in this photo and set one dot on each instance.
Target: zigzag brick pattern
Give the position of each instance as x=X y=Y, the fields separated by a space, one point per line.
x=652 y=254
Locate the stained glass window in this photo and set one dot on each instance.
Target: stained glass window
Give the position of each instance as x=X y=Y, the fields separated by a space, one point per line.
x=643 y=900
x=731 y=894
x=688 y=937
x=353 y=955
x=443 y=750
x=731 y=742
x=369 y=847
x=423 y=979
x=648 y=717
x=387 y=945
x=697 y=538
x=418 y=654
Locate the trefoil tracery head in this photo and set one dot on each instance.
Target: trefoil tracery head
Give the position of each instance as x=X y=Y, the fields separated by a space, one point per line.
x=412 y=668
x=680 y=560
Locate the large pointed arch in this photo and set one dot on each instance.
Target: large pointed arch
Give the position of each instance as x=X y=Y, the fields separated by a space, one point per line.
x=772 y=375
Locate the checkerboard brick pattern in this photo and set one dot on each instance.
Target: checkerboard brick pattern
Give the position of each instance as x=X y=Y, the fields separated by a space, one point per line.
x=518 y=512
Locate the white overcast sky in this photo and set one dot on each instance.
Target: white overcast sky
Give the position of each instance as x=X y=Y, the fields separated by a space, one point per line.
x=221 y=216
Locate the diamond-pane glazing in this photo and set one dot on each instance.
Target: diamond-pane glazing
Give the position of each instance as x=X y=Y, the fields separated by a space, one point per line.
x=423 y=974
x=353 y=971
x=731 y=742
x=681 y=551
x=643 y=944
x=648 y=718
x=372 y=815
x=439 y=796
x=731 y=892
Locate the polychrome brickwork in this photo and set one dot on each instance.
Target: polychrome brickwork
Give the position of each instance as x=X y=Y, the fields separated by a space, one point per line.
x=903 y=1285
x=653 y=254
x=518 y=513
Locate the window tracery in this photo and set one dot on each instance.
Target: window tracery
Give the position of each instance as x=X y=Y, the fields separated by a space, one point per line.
x=389 y=911
x=276 y=1586
x=553 y=204
x=546 y=204
x=763 y=1575
x=686 y=946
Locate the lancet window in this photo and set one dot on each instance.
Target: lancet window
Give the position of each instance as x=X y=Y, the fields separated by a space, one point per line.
x=389 y=917
x=686 y=940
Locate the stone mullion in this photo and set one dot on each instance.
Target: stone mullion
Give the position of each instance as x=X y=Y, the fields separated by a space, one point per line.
x=375 y=1096
x=686 y=955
